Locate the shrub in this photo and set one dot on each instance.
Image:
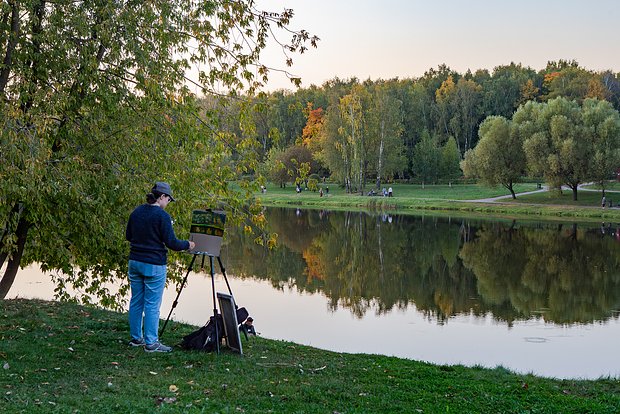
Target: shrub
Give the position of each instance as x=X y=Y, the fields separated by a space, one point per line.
x=312 y=184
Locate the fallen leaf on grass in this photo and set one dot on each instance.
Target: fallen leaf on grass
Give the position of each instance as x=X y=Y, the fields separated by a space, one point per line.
x=173 y=388
x=152 y=372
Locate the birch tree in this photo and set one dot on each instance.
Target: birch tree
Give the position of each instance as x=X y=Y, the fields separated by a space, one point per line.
x=386 y=130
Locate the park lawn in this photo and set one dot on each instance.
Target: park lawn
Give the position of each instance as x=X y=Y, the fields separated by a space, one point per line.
x=427 y=192
x=63 y=357
x=584 y=198
x=610 y=185
x=455 y=200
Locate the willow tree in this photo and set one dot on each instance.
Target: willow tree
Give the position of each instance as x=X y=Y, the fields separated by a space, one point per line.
x=96 y=106
x=499 y=157
x=555 y=142
x=602 y=123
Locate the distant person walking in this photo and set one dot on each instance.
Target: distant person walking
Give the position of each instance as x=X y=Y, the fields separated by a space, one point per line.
x=150 y=233
x=603 y=202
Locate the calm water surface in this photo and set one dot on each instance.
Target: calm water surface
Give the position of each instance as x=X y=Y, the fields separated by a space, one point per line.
x=532 y=297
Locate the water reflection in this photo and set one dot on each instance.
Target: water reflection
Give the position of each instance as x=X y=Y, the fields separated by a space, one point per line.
x=563 y=274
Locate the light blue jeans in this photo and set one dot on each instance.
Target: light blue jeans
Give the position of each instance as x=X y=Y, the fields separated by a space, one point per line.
x=147 y=288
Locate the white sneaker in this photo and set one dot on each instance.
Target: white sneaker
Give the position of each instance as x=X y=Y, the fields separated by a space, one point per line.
x=157 y=347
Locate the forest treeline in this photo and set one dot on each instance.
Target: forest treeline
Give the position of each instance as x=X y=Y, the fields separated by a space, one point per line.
x=420 y=129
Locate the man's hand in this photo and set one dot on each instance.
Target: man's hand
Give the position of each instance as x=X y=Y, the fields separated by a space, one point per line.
x=192 y=245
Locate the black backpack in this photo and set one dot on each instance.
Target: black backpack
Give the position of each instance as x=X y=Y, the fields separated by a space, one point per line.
x=204 y=338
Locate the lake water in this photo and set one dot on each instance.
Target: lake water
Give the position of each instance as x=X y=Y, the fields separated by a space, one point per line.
x=531 y=297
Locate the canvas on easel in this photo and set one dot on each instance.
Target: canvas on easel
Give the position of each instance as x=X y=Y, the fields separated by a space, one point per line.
x=207 y=231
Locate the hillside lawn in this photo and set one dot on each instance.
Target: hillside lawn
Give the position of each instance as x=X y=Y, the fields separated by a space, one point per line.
x=66 y=358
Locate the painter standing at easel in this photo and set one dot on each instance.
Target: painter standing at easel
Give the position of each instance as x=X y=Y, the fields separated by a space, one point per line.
x=150 y=234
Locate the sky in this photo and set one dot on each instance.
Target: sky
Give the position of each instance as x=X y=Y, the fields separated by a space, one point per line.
x=384 y=39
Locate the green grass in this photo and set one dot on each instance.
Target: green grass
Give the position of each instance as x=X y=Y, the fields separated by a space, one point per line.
x=60 y=357
x=455 y=200
x=610 y=185
x=428 y=192
x=584 y=198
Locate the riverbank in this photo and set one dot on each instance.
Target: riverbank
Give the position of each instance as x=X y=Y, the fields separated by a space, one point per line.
x=67 y=358
x=455 y=199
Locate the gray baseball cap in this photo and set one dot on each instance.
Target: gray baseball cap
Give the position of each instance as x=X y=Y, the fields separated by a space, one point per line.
x=164 y=188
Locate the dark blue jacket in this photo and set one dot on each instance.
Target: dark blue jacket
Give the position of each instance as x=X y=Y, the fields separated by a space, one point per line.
x=149 y=231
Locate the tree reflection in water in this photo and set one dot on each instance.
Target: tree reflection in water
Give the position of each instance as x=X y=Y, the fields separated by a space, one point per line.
x=445 y=267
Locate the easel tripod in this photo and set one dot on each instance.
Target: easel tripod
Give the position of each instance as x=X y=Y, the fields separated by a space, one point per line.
x=212 y=272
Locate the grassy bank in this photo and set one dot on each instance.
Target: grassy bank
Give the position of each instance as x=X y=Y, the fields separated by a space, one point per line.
x=67 y=358
x=453 y=199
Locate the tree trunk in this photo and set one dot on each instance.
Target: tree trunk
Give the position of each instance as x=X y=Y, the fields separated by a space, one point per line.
x=13 y=265
x=10 y=47
x=380 y=166
x=574 y=188
x=512 y=191
x=14 y=211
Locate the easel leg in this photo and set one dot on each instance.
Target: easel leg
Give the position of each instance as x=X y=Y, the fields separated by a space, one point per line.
x=217 y=334
x=219 y=260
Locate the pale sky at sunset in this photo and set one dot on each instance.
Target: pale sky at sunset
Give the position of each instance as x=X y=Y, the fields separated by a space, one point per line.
x=404 y=38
